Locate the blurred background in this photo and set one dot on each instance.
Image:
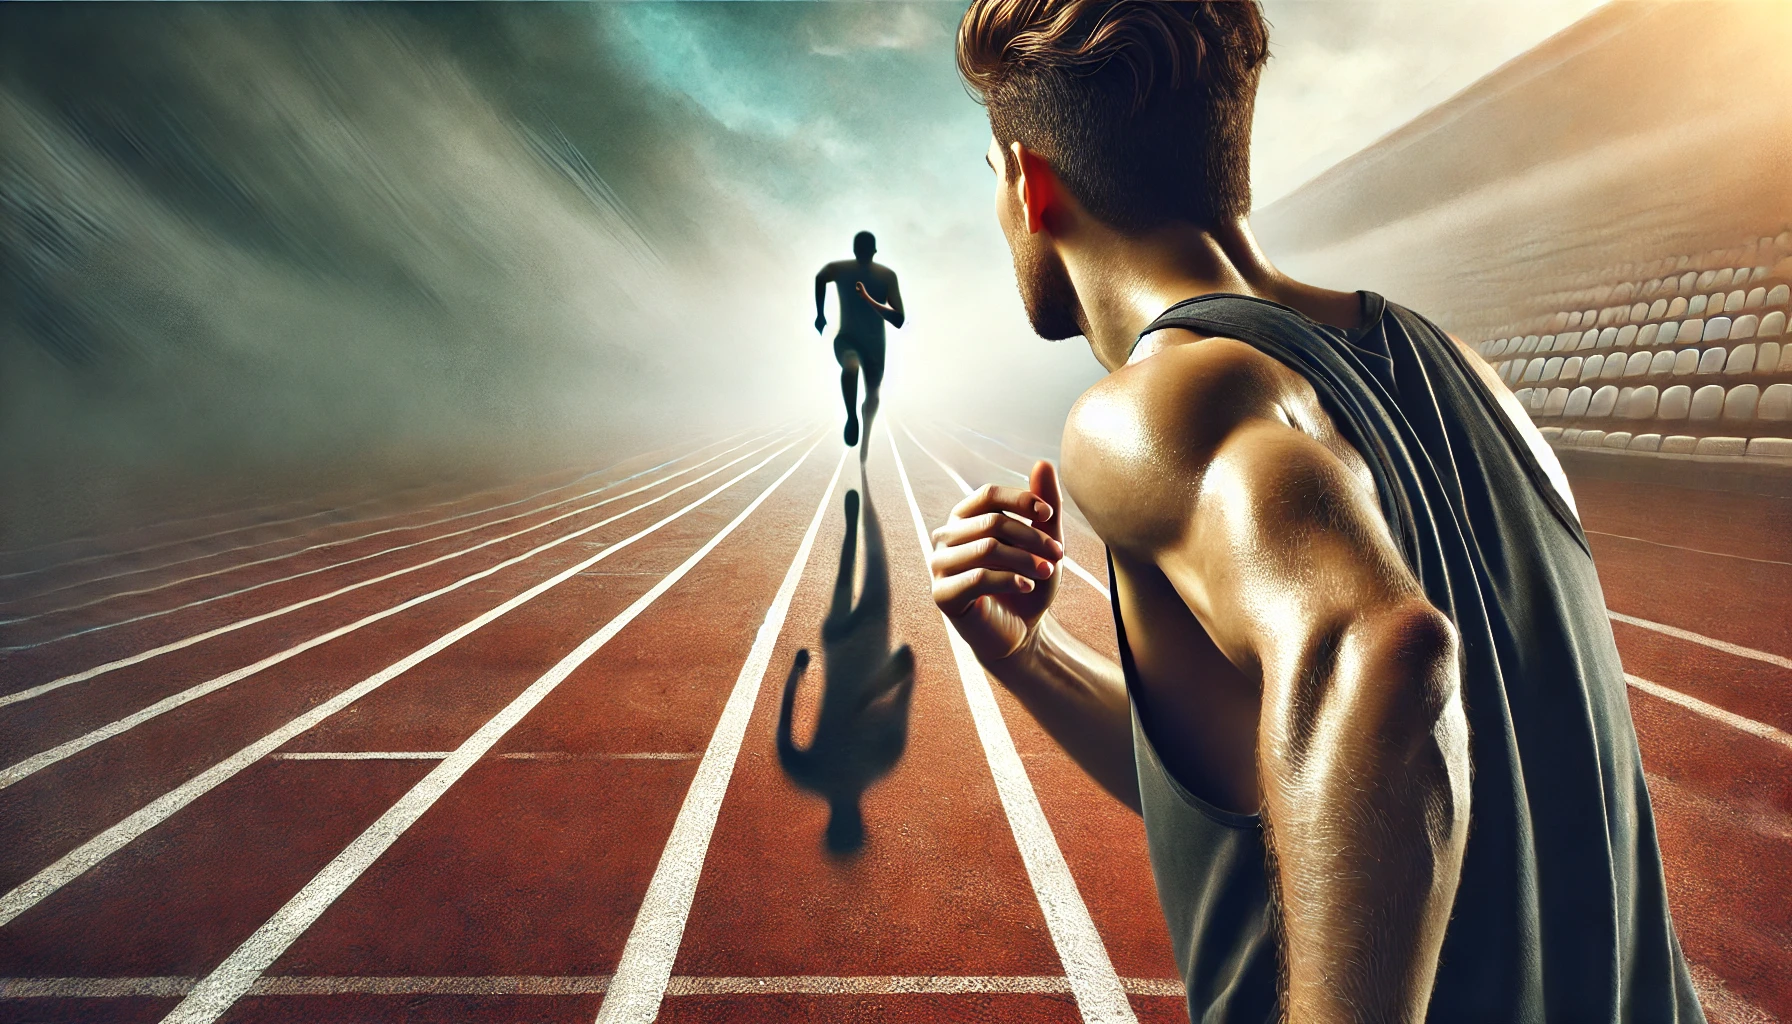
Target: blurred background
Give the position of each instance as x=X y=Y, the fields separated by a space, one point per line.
x=253 y=248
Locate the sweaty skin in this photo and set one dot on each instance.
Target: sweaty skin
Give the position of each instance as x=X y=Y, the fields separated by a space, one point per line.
x=1292 y=663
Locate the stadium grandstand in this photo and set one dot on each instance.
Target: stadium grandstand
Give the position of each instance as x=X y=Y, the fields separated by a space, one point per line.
x=1605 y=220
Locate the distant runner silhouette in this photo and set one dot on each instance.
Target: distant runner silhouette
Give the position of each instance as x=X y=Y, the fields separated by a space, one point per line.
x=862 y=728
x=868 y=297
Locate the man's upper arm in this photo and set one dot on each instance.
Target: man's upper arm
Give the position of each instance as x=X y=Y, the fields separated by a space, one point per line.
x=1211 y=465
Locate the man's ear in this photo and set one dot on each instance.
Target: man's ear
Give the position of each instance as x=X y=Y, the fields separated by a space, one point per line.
x=1036 y=185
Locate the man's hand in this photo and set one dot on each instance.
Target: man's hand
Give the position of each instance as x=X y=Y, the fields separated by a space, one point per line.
x=995 y=563
x=820 y=322
x=880 y=307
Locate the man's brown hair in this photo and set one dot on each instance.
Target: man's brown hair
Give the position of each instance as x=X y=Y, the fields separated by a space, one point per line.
x=1141 y=107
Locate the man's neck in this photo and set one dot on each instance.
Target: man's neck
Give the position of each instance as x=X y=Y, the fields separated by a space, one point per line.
x=1123 y=281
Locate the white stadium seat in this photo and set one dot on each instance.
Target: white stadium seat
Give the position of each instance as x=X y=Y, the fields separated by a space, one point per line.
x=1688 y=281
x=1588 y=339
x=1714 y=303
x=1712 y=361
x=1690 y=332
x=1720 y=446
x=1523 y=395
x=1636 y=366
x=1558 y=322
x=1744 y=327
x=1785 y=359
x=1577 y=402
x=1686 y=362
x=1590 y=439
x=1662 y=363
x=1645 y=443
x=1624 y=292
x=1707 y=403
x=1741 y=361
x=1734 y=300
x=1626 y=336
x=1552 y=369
x=1531 y=341
x=1757 y=297
x=1538 y=397
x=1722 y=278
x=1639 y=312
x=1550 y=434
x=1707 y=279
x=1589 y=370
x=1605 y=399
x=1779 y=295
x=1739 y=404
x=1678 y=444
x=1569 y=435
x=1573 y=319
x=1641 y=404
x=1716 y=329
x=1678 y=306
x=1773 y=325
x=1617 y=439
x=1556 y=402
x=1571 y=369
x=1769 y=359
x=1613 y=369
x=1657 y=309
x=1669 y=331
x=1648 y=334
x=1608 y=337
x=1696 y=305
x=1533 y=370
x=1771 y=447
x=1758 y=274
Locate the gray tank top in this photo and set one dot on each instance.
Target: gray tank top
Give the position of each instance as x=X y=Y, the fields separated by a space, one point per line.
x=1562 y=912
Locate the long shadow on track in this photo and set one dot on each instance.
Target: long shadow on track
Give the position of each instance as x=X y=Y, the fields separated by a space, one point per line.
x=862 y=728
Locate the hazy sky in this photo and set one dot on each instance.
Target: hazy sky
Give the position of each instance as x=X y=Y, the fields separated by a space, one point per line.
x=873 y=130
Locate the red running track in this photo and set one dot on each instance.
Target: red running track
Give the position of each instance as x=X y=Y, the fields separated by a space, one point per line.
x=552 y=793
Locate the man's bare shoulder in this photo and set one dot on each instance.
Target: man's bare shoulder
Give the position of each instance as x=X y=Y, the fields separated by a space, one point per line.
x=1137 y=444
x=835 y=269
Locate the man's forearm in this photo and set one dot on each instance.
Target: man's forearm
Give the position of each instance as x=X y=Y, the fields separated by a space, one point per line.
x=821 y=298
x=1365 y=779
x=1079 y=697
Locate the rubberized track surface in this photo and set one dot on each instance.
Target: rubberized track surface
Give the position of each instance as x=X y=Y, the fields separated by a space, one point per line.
x=510 y=756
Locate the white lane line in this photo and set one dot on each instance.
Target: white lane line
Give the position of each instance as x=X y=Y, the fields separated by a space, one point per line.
x=73 y=864
x=189 y=540
x=233 y=978
x=1699 y=638
x=571 y=985
x=229 y=627
x=1712 y=711
x=563 y=755
x=1691 y=703
x=1070 y=563
x=324 y=545
x=646 y=964
x=85 y=631
x=361 y=755
x=43 y=759
x=68 y=748
x=1682 y=547
x=1099 y=994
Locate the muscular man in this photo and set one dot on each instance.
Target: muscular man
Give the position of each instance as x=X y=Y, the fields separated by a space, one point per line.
x=1368 y=700
x=868 y=297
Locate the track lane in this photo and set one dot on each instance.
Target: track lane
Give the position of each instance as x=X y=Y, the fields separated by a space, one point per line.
x=213 y=722
x=232 y=979
x=254 y=596
x=939 y=889
x=1103 y=840
x=224 y=564
x=45 y=719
